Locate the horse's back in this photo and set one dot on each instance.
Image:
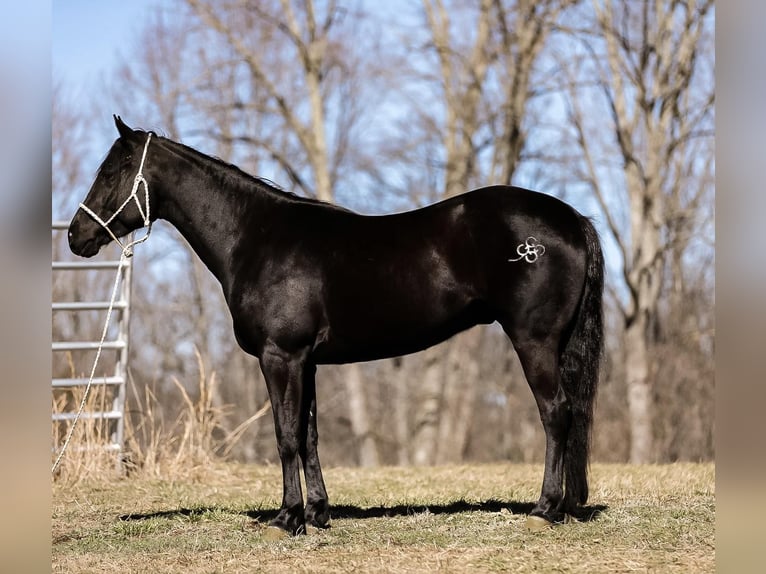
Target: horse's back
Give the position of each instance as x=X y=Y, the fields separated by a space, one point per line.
x=400 y=283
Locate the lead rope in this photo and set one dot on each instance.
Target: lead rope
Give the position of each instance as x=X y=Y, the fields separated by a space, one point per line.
x=123 y=260
x=127 y=253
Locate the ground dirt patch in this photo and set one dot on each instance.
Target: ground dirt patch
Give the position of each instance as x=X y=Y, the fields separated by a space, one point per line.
x=446 y=519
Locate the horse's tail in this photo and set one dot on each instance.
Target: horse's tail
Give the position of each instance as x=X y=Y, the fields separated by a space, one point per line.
x=580 y=363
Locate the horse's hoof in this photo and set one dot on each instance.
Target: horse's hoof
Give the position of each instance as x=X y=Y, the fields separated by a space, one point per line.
x=537 y=523
x=273 y=533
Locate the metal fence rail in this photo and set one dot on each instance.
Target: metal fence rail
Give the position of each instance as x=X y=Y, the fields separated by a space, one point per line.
x=85 y=265
x=121 y=312
x=88 y=346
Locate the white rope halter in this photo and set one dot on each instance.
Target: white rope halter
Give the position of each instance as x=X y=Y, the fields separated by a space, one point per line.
x=127 y=250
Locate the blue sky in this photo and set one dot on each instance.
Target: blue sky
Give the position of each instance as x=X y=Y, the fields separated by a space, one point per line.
x=88 y=36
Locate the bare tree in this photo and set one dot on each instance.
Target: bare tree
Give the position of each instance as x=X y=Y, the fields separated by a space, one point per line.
x=463 y=70
x=292 y=90
x=523 y=29
x=485 y=82
x=275 y=85
x=651 y=64
x=69 y=145
x=294 y=70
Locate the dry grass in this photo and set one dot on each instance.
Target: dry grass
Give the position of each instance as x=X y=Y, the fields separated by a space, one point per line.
x=85 y=455
x=451 y=519
x=185 y=446
x=180 y=450
x=181 y=509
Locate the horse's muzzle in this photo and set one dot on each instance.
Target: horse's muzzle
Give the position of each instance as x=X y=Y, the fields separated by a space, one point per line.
x=83 y=241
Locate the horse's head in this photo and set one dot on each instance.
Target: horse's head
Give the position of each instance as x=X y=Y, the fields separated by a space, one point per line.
x=115 y=204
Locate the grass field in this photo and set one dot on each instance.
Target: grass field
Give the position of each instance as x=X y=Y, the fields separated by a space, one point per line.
x=446 y=519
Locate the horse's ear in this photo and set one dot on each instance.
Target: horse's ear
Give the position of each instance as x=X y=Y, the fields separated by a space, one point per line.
x=124 y=130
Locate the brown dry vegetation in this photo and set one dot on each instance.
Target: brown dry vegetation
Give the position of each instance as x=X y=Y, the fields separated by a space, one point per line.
x=450 y=519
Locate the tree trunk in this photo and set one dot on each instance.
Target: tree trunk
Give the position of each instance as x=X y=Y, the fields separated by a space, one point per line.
x=358 y=413
x=401 y=411
x=461 y=380
x=639 y=391
x=426 y=431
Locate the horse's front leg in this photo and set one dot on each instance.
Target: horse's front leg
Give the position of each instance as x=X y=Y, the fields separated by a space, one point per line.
x=284 y=378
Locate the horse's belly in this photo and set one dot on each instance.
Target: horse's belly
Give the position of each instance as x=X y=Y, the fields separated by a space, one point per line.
x=367 y=337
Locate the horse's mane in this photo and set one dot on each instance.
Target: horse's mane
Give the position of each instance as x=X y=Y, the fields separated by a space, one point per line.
x=232 y=175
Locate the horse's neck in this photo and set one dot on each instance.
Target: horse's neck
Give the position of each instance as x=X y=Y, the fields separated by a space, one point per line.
x=207 y=214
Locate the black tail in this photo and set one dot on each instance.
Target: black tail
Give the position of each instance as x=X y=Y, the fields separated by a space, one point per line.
x=580 y=363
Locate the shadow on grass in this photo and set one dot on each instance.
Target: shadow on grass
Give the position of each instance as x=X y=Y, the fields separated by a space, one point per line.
x=586 y=514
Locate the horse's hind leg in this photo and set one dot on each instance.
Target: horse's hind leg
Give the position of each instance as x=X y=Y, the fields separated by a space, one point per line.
x=540 y=362
x=317 y=505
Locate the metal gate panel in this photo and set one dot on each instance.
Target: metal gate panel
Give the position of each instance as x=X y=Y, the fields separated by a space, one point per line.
x=121 y=311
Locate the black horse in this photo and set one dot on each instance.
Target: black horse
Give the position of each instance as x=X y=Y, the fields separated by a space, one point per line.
x=310 y=283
